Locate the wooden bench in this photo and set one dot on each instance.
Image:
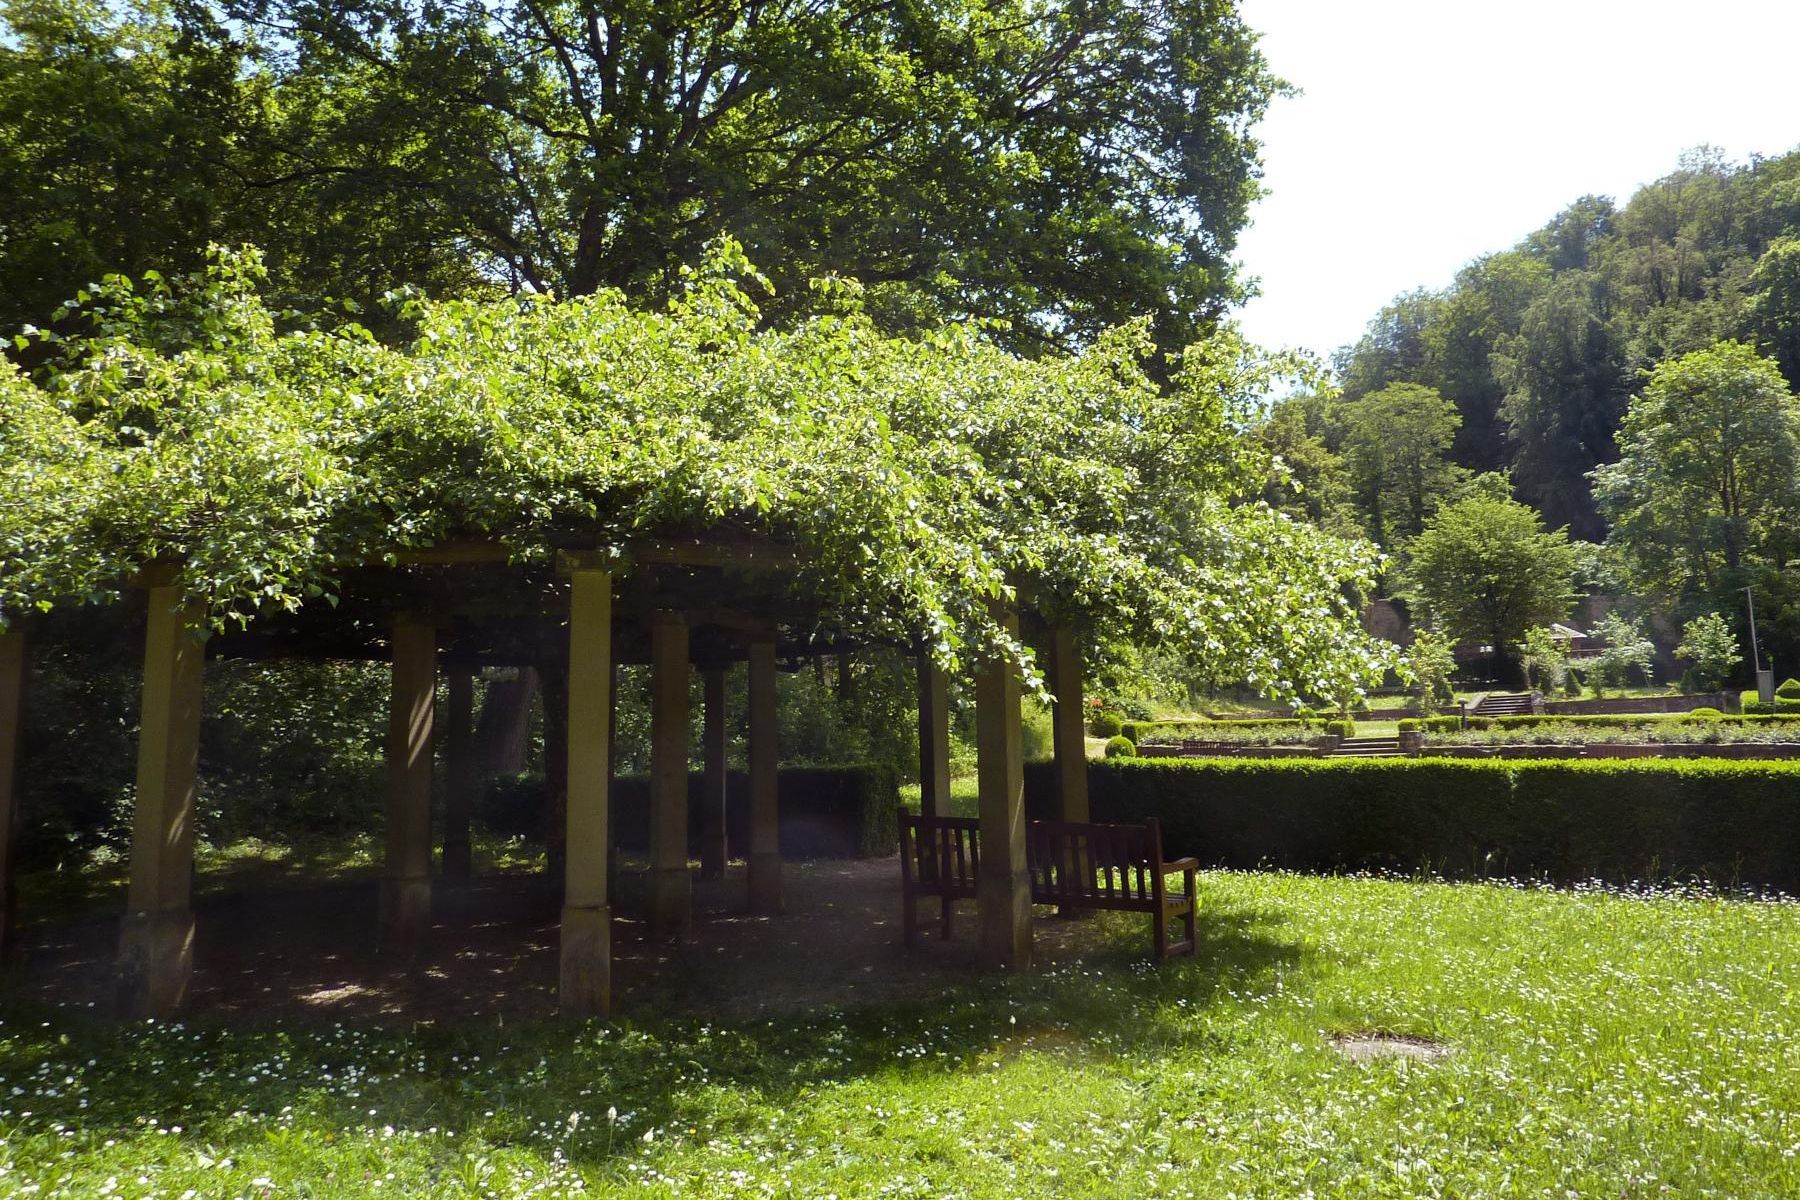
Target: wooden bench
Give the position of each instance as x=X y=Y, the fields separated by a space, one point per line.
x=1072 y=865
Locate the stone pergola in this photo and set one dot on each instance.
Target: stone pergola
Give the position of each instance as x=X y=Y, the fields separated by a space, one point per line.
x=673 y=605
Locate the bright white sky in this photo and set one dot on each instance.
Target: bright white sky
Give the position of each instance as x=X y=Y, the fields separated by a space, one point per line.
x=1430 y=132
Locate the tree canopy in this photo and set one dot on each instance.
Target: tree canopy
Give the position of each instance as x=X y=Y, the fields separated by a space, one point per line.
x=1486 y=570
x=1541 y=346
x=1055 y=167
x=1707 y=467
x=919 y=479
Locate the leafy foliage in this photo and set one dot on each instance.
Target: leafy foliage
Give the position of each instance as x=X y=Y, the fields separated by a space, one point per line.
x=1709 y=644
x=1706 y=472
x=1430 y=663
x=921 y=480
x=1540 y=347
x=1486 y=570
x=1626 y=649
x=1057 y=168
x=1397 y=452
x=1545 y=658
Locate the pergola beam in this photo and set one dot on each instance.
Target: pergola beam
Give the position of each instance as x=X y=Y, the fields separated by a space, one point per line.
x=156 y=939
x=765 y=757
x=934 y=738
x=406 y=882
x=12 y=718
x=671 y=890
x=1069 y=725
x=585 y=984
x=714 y=785
x=1003 y=887
x=462 y=778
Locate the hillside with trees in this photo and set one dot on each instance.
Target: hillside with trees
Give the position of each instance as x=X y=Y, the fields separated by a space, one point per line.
x=1629 y=369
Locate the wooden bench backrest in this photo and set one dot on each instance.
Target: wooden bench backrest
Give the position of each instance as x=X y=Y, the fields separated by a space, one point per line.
x=940 y=851
x=1109 y=865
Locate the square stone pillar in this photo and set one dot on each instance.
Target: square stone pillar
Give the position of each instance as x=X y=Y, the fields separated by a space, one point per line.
x=713 y=783
x=156 y=941
x=462 y=777
x=585 y=985
x=12 y=718
x=934 y=738
x=1003 y=889
x=671 y=891
x=1069 y=726
x=765 y=803
x=406 y=879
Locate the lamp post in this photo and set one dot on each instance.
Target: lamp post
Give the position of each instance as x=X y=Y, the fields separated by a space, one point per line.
x=1765 y=680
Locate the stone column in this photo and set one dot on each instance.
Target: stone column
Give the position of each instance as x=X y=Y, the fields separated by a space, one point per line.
x=765 y=804
x=462 y=776
x=12 y=718
x=156 y=941
x=1069 y=726
x=713 y=785
x=1003 y=890
x=612 y=766
x=934 y=738
x=406 y=879
x=671 y=891
x=585 y=986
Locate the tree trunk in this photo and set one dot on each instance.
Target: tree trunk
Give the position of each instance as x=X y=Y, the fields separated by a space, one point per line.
x=502 y=734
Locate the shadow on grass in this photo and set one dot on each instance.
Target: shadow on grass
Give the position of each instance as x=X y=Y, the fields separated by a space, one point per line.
x=511 y=1082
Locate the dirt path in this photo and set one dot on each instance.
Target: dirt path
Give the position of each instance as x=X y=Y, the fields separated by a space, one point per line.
x=308 y=953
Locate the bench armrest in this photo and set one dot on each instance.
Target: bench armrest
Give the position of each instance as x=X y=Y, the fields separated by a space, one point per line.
x=1182 y=864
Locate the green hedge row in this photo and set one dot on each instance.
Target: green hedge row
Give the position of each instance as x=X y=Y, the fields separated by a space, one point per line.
x=1727 y=822
x=1196 y=730
x=1784 y=705
x=826 y=812
x=1601 y=720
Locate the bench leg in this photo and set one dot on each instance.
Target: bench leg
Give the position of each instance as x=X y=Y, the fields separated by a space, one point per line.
x=1191 y=917
x=1159 y=918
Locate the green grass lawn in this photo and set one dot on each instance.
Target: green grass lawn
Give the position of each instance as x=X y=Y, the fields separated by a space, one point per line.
x=1603 y=1046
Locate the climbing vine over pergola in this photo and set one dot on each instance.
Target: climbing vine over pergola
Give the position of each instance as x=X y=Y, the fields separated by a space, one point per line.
x=273 y=475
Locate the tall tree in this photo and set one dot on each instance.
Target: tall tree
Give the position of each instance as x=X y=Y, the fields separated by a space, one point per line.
x=1397 y=452
x=1486 y=570
x=1706 y=471
x=115 y=128
x=1056 y=166
x=1567 y=387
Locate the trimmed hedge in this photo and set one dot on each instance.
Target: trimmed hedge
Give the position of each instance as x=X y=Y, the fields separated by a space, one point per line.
x=1728 y=822
x=1604 y=720
x=1120 y=747
x=1197 y=729
x=826 y=812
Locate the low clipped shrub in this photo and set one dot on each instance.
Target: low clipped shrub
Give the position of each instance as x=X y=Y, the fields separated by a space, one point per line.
x=1342 y=729
x=1703 y=713
x=1121 y=747
x=1204 y=729
x=1726 y=822
x=1783 y=706
x=1789 y=689
x=1106 y=724
x=1410 y=725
